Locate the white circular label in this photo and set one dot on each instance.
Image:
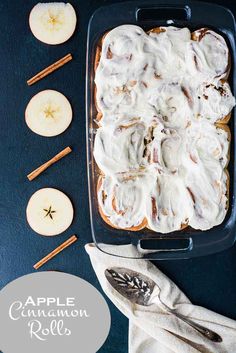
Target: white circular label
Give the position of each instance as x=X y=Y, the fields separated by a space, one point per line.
x=52 y=312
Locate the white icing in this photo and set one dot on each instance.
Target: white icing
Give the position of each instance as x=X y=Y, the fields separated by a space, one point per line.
x=215 y=101
x=162 y=156
x=207 y=57
x=169 y=205
x=172 y=103
x=119 y=149
x=122 y=199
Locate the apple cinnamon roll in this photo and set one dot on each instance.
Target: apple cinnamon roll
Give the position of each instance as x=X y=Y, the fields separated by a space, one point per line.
x=122 y=201
x=207 y=147
x=209 y=198
x=169 y=204
x=214 y=102
x=207 y=55
x=163 y=149
x=173 y=102
x=169 y=46
x=120 y=148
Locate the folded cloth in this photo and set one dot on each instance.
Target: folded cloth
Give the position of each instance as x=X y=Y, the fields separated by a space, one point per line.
x=152 y=330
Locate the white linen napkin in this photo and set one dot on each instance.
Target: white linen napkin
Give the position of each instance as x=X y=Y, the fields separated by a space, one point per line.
x=151 y=330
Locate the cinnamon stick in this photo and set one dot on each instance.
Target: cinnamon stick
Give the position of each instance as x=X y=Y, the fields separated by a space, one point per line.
x=48 y=70
x=56 y=251
x=44 y=166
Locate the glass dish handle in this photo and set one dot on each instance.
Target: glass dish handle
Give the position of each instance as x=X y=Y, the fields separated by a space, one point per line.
x=165 y=244
x=163 y=12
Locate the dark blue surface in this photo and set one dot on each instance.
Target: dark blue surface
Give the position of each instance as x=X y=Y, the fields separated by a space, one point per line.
x=209 y=281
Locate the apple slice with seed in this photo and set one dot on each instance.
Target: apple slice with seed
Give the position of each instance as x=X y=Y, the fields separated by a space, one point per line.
x=48 y=113
x=53 y=23
x=49 y=212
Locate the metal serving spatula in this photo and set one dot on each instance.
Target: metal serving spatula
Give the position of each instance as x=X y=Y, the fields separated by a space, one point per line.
x=142 y=290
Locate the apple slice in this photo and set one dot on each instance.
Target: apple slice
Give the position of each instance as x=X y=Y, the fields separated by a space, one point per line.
x=49 y=212
x=52 y=23
x=48 y=113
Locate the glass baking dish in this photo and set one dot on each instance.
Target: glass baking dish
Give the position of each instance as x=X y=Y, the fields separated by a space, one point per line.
x=186 y=243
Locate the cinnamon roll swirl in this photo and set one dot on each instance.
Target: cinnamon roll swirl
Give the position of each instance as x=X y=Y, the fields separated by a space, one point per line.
x=121 y=202
x=208 y=55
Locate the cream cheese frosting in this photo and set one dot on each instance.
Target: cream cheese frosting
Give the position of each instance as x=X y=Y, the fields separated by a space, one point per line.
x=161 y=155
x=208 y=55
x=122 y=200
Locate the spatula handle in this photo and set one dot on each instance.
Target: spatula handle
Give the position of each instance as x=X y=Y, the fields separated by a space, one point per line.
x=211 y=335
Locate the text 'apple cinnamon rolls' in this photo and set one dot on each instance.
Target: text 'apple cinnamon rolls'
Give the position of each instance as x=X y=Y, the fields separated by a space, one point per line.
x=162 y=143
